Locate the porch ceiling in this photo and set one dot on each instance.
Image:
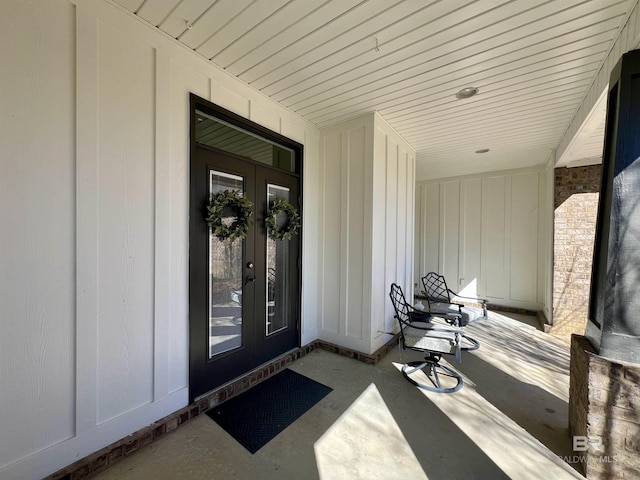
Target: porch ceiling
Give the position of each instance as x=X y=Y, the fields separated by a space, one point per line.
x=329 y=61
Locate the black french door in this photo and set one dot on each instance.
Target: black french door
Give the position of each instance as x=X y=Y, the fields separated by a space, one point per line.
x=244 y=294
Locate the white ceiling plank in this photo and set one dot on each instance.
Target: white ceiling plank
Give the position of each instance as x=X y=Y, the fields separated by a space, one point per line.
x=312 y=98
x=501 y=133
x=274 y=26
x=546 y=133
x=185 y=13
x=512 y=117
x=439 y=104
x=319 y=96
x=399 y=96
x=498 y=123
x=212 y=20
x=484 y=140
x=444 y=83
x=155 y=11
x=321 y=18
x=535 y=87
x=400 y=42
x=238 y=26
x=131 y=5
x=418 y=28
x=534 y=62
x=524 y=102
x=515 y=109
x=382 y=20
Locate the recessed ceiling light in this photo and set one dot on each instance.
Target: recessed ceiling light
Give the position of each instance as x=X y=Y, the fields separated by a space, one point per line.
x=467 y=93
x=482 y=150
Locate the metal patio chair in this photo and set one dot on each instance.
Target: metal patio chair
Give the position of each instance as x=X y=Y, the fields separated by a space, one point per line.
x=439 y=298
x=419 y=333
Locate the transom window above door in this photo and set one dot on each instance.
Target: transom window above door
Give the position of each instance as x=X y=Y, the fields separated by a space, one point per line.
x=217 y=133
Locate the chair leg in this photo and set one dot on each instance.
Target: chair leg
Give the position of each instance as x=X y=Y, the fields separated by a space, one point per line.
x=433 y=370
x=471 y=344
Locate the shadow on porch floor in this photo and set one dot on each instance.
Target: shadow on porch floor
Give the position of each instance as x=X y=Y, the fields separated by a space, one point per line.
x=508 y=421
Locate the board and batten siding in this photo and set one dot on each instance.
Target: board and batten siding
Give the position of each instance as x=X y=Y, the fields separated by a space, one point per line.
x=94 y=195
x=486 y=234
x=38 y=224
x=367 y=219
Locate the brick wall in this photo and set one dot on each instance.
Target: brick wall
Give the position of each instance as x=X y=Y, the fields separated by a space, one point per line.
x=604 y=407
x=576 y=207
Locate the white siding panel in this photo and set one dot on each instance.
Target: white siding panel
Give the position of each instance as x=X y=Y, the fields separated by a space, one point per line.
x=545 y=235
x=183 y=81
x=470 y=237
x=126 y=105
x=493 y=237
x=405 y=186
x=381 y=309
x=392 y=220
x=86 y=220
x=229 y=99
x=373 y=201
x=357 y=232
x=331 y=221
x=392 y=233
x=37 y=182
x=311 y=238
x=411 y=205
x=397 y=216
x=524 y=237
x=450 y=233
x=100 y=349
x=262 y=115
x=293 y=131
x=162 y=240
x=431 y=230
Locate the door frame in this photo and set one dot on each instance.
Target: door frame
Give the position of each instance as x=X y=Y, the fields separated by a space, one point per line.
x=198 y=103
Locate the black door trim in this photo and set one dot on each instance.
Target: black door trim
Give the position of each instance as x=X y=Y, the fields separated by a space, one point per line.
x=198 y=103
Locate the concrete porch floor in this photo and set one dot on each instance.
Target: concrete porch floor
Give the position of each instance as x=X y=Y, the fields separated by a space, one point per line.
x=508 y=421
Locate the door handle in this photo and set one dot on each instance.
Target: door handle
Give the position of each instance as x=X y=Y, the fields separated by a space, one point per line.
x=248 y=279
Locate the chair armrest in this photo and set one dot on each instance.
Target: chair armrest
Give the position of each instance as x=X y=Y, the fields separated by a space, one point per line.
x=478 y=300
x=455 y=317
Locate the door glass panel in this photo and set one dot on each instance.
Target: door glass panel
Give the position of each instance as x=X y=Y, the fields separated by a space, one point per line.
x=277 y=269
x=225 y=277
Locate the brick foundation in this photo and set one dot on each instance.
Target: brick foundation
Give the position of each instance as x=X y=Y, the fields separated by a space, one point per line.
x=576 y=208
x=604 y=406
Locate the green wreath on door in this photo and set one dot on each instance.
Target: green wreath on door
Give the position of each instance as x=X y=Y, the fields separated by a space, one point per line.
x=292 y=225
x=218 y=210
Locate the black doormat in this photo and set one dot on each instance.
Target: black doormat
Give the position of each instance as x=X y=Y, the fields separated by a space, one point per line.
x=256 y=416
